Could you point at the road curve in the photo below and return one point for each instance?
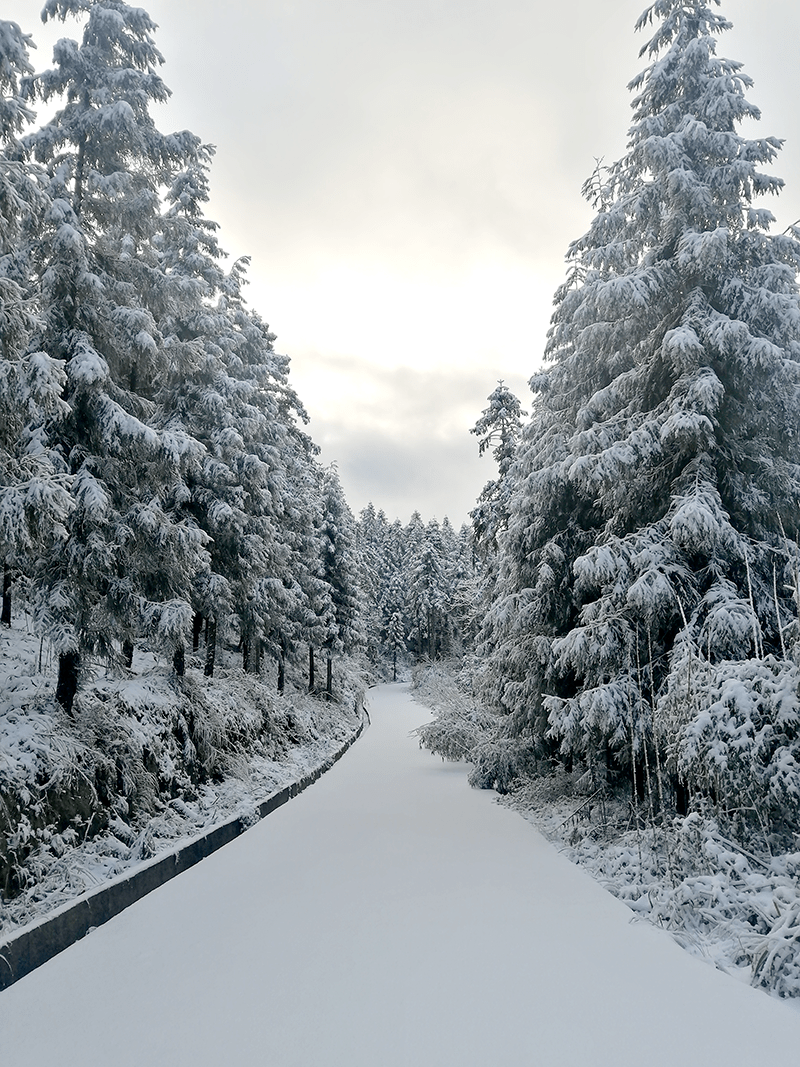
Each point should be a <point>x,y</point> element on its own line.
<point>388,917</point>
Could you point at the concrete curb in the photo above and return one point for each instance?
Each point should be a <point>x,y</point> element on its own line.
<point>23,952</point>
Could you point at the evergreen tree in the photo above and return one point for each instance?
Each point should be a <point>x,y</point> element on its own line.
<point>428,594</point>
<point>468,597</point>
<point>34,497</point>
<point>185,308</point>
<point>498,428</point>
<point>129,560</point>
<point>395,639</point>
<point>343,624</point>
<point>662,457</point>
<point>394,605</point>
<point>372,529</point>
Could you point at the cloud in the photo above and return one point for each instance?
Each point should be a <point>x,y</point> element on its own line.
<point>403,475</point>
<point>401,439</point>
<point>490,316</point>
<point>399,129</point>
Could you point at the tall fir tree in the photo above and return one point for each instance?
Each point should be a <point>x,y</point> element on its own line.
<point>395,639</point>
<point>660,470</point>
<point>343,630</point>
<point>374,575</point>
<point>129,560</point>
<point>429,593</point>
<point>497,429</point>
<point>34,492</point>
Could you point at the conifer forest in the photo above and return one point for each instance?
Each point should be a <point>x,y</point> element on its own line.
<point>188,597</point>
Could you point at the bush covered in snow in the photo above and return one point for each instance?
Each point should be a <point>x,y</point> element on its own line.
<point>148,758</point>
<point>738,907</point>
<point>464,729</point>
<point>460,724</point>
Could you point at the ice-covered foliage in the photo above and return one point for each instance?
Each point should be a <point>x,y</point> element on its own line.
<point>641,609</point>
<point>35,502</point>
<point>461,723</point>
<point>157,484</point>
<point>463,728</point>
<point>418,588</point>
<point>254,489</point>
<point>498,428</point>
<point>343,628</point>
<point>163,515</point>
<point>148,760</point>
<point>735,905</point>
<point>428,589</point>
<point>727,905</point>
<point>125,548</point>
<point>731,729</point>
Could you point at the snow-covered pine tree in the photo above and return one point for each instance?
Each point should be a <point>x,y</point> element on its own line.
<point>641,590</point>
<point>255,491</point>
<point>308,592</point>
<point>395,639</point>
<point>34,497</point>
<point>315,604</point>
<point>184,307</point>
<point>456,568</point>
<point>497,429</point>
<point>392,595</point>
<point>393,602</point>
<point>409,539</point>
<point>344,626</point>
<point>468,601</point>
<point>429,594</point>
<point>371,531</point>
<point>129,561</point>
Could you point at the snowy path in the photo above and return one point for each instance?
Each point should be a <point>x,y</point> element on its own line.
<point>390,915</point>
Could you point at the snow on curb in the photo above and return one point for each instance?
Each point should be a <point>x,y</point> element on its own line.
<point>29,948</point>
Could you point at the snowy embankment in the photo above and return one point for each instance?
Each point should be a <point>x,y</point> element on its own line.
<point>150,761</point>
<point>735,909</point>
<point>389,915</point>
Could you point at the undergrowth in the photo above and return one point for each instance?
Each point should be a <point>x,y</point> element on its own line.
<point>148,760</point>
<point>736,906</point>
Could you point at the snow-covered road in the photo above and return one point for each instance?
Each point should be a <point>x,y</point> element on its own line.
<point>390,915</point>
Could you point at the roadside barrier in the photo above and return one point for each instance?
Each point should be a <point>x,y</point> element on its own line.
<point>27,949</point>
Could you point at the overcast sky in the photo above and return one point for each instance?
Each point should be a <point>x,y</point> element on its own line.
<point>405,176</point>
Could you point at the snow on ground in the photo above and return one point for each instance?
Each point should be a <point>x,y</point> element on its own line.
<point>719,901</point>
<point>722,904</point>
<point>259,741</point>
<point>390,915</point>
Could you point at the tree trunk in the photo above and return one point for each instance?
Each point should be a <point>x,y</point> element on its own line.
<point>127,653</point>
<point>67,685</point>
<point>179,660</point>
<point>281,671</point>
<point>329,681</point>
<point>197,627</point>
<point>80,163</point>
<point>251,655</point>
<point>310,668</point>
<point>5,618</point>
<point>432,636</point>
<point>394,664</point>
<point>681,797</point>
<point>211,647</point>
